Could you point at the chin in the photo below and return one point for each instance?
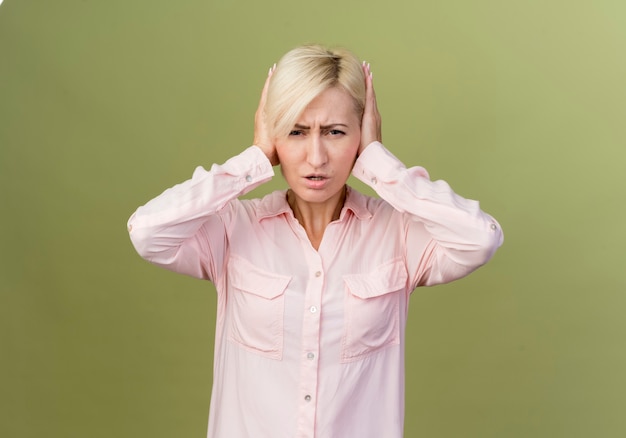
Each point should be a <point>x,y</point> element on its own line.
<point>320,196</point>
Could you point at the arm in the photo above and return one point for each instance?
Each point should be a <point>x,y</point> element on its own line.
<point>462,237</point>
<point>180,230</point>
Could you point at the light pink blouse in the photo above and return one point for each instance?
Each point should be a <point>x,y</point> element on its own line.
<point>311,343</point>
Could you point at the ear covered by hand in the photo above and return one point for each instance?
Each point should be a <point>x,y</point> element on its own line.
<point>371,124</point>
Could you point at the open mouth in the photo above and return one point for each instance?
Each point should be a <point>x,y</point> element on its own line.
<point>315,178</point>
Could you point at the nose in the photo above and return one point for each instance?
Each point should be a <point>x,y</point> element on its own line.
<point>317,155</point>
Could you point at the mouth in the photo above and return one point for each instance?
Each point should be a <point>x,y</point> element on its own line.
<point>316,182</point>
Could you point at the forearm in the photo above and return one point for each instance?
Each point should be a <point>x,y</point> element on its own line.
<point>467,235</point>
<point>160,229</point>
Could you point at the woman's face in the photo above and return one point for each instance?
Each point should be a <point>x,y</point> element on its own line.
<point>317,157</point>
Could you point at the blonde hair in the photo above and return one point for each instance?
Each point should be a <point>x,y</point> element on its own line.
<point>305,72</point>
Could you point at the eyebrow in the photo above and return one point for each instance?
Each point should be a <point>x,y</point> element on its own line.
<point>332,125</point>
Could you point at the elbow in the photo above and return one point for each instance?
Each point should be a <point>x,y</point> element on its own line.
<point>480,248</point>
<point>488,242</point>
<point>155,245</point>
<point>142,240</point>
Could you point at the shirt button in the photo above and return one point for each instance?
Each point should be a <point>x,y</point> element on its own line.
<point>313,309</point>
<point>494,226</point>
<point>130,228</point>
<point>248,178</point>
<point>310,356</point>
<point>374,180</point>
<point>318,273</point>
<point>307,398</point>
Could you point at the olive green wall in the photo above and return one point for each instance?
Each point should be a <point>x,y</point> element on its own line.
<point>103,104</point>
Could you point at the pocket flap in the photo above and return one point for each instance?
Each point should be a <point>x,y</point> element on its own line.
<point>249,278</point>
<point>386,278</point>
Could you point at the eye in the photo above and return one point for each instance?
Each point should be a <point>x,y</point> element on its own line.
<point>336,132</point>
<point>296,132</point>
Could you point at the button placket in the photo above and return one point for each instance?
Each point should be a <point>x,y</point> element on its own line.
<point>310,340</point>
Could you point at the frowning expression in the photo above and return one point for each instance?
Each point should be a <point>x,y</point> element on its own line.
<point>318,154</point>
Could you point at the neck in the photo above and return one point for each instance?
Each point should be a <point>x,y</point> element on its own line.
<point>315,217</point>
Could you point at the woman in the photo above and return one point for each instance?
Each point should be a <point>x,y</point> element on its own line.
<point>313,282</point>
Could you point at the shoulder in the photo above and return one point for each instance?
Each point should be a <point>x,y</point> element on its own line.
<point>272,204</point>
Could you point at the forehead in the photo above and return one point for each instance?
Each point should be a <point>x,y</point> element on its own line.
<point>333,103</point>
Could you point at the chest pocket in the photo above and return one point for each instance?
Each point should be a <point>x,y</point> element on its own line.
<point>372,310</point>
<point>256,303</point>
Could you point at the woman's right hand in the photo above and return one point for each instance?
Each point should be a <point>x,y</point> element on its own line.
<point>262,137</point>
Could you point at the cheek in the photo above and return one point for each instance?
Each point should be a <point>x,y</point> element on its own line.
<point>281,153</point>
<point>351,152</point>
<point>286,159</point>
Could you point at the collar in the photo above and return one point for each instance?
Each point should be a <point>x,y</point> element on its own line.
<point>276,204</point>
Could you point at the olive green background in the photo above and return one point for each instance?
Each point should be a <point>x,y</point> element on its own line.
<point>104,104</point>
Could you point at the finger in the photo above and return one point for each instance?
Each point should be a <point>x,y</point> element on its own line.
<point>371,123</point>
<point>267,85</point>
<point>261,134</point>
<point>264,91</point>
<point>370,93</point>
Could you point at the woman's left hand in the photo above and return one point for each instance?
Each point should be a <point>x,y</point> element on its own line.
<point>371,129</point>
